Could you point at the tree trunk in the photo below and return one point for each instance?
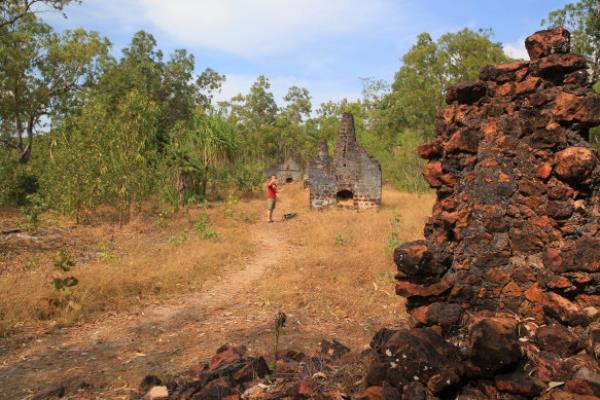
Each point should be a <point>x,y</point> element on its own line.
<point>30,125</point>
<point>204,182</point>
<point>19,129</point>
<point>183,184</point>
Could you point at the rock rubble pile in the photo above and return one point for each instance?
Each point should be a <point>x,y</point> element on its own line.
<point>504,291</point>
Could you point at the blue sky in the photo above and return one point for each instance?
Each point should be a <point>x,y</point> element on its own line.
<point>323,45</point>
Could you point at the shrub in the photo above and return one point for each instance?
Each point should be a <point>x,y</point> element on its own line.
<point>16,181</point>
<point>35,206</point>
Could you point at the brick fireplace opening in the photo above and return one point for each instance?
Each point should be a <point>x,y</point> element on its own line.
<point>344,198</point>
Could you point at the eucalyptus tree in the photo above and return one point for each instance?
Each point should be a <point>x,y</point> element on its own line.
<point>429,67</point>
<point>12,11</point>
<point>43,73</point>
<point>209,82</point>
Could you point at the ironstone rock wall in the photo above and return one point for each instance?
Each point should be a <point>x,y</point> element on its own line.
<point>504,292</point>
<point>350,169</point>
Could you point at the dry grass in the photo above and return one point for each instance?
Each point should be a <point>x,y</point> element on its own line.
<point>341,268</point>
<point>119,268</point>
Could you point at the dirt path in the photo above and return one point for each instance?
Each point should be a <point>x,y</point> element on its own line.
<point>112,355</point>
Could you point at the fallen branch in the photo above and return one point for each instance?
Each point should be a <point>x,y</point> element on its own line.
<point>10,231</point>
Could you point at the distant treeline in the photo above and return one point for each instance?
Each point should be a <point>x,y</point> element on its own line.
<point>80,128</point>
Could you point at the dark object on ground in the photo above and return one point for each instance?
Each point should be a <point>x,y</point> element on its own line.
<point>148,382</point>
<point>333,349</point>
<point>10,231</point>
<point>289,216</point>
<point>504,292</point>
<point>232,375</point>
<point>51,392</point>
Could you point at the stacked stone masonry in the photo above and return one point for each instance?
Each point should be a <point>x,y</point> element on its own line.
<point>289,171</point>
<point>350,178</point>
<point>504,291</point>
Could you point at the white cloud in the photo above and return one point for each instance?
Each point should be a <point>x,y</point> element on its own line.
<point>516,50</point>
<point>249,28</point>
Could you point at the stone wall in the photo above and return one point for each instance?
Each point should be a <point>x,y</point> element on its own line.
<point>288,171</point>
<point>504,292</point>
<point>350,169</point>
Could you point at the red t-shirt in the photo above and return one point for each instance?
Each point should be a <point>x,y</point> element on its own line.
<point>272,189</point>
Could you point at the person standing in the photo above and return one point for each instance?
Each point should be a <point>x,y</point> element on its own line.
<point>272,197</point>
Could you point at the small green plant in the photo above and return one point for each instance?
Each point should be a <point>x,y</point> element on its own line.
<point>62,284</point>
<point>203,229</point>
<point>210,235</point>
<point>180,239</point>
<point>32,264</point>
<point>280,320</point>
<point>232,200</point>
<point>339,240</point>
<point>163,217</point>
<point>202,223</point>
<point>63,260</point>
<point>106,251</point>
<point>384,279</point>
<point>35,206</point>
<point>395,229</point>
<point>247,218</point>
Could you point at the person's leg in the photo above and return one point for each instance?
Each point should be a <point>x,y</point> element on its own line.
<point>270,208</point>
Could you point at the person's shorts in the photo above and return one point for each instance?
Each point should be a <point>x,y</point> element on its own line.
<point>271,204</point>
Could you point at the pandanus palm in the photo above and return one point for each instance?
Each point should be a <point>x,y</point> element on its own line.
<point>200,149</point>
<point>217,143</point>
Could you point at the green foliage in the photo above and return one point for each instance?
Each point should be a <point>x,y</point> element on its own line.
<point>179,239</point>
<point>106,252</point>
<point>62,283</point>
<point>16,181</point>
<point>247,218</point>
<point>232,200</point>
<point>203,230</point>
<point>428,69</point>
<point>339,240</point>
<point>399,161</point>
<point>12,11</point>
<point>32,264</point>
<point>395,229</point>
<point>210,234</point>
<point>582,19</point>
<point>109,163</point>
<point>63,260</point>
<point>201,224</point>
<point>85,129</point>
<point>595,132</point>
<point>35,206</point>
<point>209,82</point>
<point>202,149</point>
<point>45,71</point>
<point>247,177</point>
